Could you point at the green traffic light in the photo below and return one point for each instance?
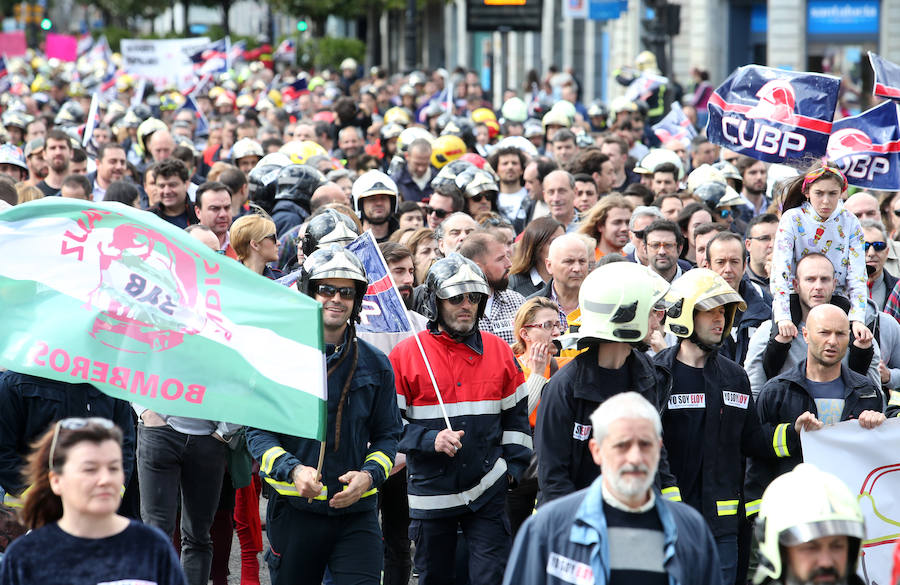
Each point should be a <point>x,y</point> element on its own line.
<point>302,26</point>
<point>46,24</point>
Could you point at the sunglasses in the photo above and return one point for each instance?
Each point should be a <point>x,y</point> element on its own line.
<point>546,325</point>
<point>440,213</point>
<point>896,212</point>
<point>879,246</point>
<point>474,298</point>
<point>724,213</point>
<point>481,197</point>
<point>328,291</point>
<point>639,234</point>
<point>74,424</point>
<point>272,237</point>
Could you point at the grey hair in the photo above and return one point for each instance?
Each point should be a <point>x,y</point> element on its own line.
<point>439,230</point>
<point>624,405</point>
<point>874,224</point>
<point>568,175</point>
<point>644,211</point>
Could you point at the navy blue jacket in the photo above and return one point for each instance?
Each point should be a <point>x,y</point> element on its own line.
<point>370,429</point>
<point>568,537</point>
<point>31,404</point>
<point>785,398</point>
<point>735,433</point>
<point>287,214</point>
<point>409,190</point>
<point>563,425</point>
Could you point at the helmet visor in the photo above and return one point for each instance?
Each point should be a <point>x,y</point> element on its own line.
<point>812,530</point>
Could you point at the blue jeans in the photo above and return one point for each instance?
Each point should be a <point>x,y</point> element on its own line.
<point>169,461</point>
<point>728,557</point>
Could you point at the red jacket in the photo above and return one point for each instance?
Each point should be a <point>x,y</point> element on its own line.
<point>484,395</point>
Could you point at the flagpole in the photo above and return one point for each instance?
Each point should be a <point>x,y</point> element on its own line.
<point>319,466</point>
<point>433,382</point>
<point>371,236</point>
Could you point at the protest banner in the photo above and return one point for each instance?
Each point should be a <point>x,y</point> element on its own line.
<point>164,62</point>
<point>116,297</point>
<point>865,461</point>
<point>773,115</point>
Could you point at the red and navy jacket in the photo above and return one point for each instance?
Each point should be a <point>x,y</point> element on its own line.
<point>484,394</point>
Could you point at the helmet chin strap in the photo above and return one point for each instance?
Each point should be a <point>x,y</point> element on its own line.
<point>709,348</point>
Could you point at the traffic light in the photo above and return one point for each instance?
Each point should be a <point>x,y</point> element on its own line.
<point>46,24</point>
<point>302,25</point>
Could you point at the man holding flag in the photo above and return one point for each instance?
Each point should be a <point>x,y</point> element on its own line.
<point>327,516</point>
<point>467,436</point>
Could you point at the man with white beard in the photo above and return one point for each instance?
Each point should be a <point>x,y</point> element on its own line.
<point>618,530</point>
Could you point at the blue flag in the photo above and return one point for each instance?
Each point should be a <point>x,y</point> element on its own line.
<point>202,123</point>
<point>773,115</point>
<point>867,147</point>
<point>887,77</point>
<point>675,125</point>
<point>383,310</point>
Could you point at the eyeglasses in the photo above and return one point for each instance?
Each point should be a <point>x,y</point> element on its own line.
<point>327,291</point>
<point>481,197</point>
<point>222,252</point>
<point>667,246</point>
<point>546,325</point>
<point>74,424</point>
<point>879,246</point>
<point>761,238</point>
<point>474,298</point>
<point>440,213</point>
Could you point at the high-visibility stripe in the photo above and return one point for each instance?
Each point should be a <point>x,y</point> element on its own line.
<point>447,501</point>
<point>727,507</point>
<point>752,507</point>
<point>513,399</point>
<point>288,489</point>
<point>779,440</point>
<point>895,398</point>
<point>12,501</point>
<point>381,459</point>
<point>454,409</point>
<point>673,494</point>
<point>469,408</point>
<point>516,438</point>
<point>269,457</point>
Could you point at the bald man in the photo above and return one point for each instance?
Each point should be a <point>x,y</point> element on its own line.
<point>818,391</point>
<point>864,205</point>
<point>568,262</point>
<point>205,235</point>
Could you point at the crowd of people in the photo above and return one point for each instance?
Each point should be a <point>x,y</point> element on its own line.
<point>582,296</point>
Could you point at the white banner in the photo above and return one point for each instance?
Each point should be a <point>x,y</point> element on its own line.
<point>868,462</point>
<point>165,62</point>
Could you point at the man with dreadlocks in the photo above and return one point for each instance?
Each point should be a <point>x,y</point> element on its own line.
<point>329,519</point>
<point>461,466</point>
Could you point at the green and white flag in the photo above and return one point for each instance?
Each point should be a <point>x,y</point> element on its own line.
<point>118,298</point>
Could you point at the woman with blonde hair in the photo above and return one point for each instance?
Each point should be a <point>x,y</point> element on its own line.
<point>535,326</point>
<point>76,476</point>
<point>28,193</point>
<point>255,242</point>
